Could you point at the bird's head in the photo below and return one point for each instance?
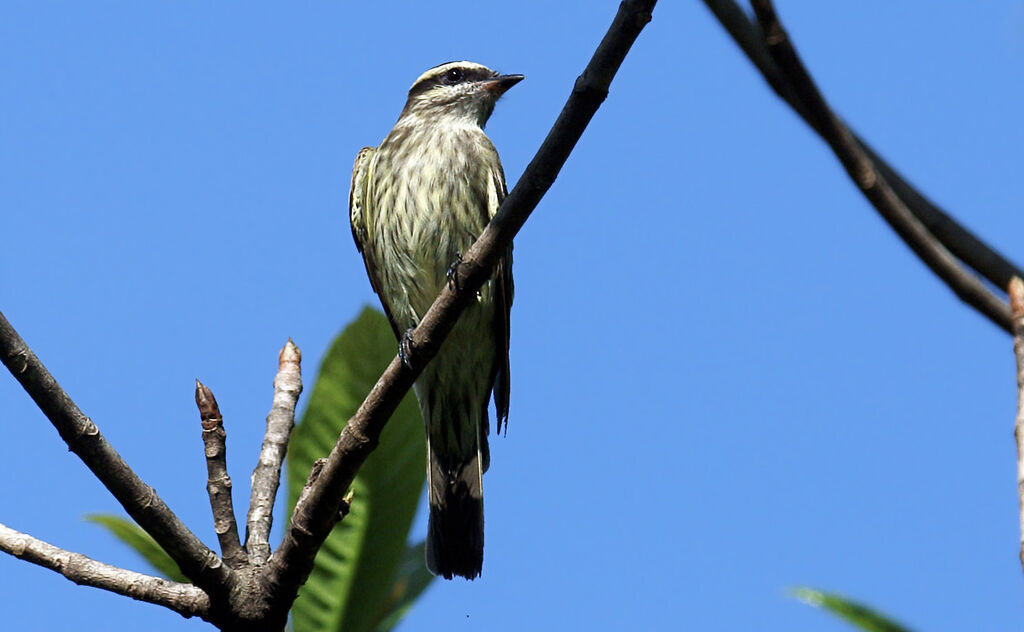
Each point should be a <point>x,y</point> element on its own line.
<point>462,90</point>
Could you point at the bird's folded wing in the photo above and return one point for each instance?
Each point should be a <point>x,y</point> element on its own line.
<point>503,291</point>
<point>359,211</point>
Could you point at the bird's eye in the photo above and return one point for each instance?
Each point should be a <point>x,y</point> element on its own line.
<point>453,76</point>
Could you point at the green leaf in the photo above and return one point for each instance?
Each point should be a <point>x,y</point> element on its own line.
<point>858,614</point>
<point>132,534</point>
<point>412,579</point>
<point>354,576</point>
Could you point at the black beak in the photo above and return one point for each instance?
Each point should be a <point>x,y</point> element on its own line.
<point>501,83</point>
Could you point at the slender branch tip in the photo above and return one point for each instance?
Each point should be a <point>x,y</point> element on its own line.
<point>290,352</point>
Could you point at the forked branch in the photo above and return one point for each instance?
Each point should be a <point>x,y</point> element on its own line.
<point>197,562</point>
<point>931,233</point>
<point>868,179</point>
<point>259,597</point>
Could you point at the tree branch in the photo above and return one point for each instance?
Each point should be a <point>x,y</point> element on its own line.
<point>197,562</point>
<point>218,482</point>
<point>185,599</point>
<point>961,242</point>
<point>313,519</point>
<point>870,180</point>
<point>257,598</point>
<point>267,475</point>
<point>1016,292</point>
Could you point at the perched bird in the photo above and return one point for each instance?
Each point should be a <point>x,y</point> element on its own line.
<point>417,202</point>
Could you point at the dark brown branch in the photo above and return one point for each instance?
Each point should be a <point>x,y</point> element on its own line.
<point>267,475</point>
<point>197,562</point>
<point>1016,292</point>
<point>313,520</point>
<point>218,482</point>
<point>961,242</point>
<point>255,598</point>
<point>867,177</point>
<point>185,599</point>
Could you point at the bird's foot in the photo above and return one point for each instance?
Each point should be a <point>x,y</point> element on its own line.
<point>405,347</point>
<point>453,273</point>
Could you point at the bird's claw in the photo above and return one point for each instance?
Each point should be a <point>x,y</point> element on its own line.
<point>405,347</point>
<point>453,273</point>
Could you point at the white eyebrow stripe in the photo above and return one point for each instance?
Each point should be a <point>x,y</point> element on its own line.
<point>437,71</point>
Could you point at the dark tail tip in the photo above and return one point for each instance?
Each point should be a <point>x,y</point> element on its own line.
<point>455,535</point>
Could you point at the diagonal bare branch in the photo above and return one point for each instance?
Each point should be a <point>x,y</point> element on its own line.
<point>254,598</point>
<point>218,482</point>
<point>267,475</point>
<point>869,179</point>
<point>141,501</point>
<point>989,263</point>
<point>185,599</point>
<point>313,519</point>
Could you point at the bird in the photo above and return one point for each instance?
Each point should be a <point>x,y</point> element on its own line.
<point>417,202</point>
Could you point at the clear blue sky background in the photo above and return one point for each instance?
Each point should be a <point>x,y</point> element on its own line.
<point>729,376</point>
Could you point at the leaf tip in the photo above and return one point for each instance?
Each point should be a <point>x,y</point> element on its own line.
<point>807,595</point>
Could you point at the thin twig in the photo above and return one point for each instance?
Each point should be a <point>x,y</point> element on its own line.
<point>869,180</point>
<point>1016,292</point>
<point>267,475</point>
<point>989,263</point>
<point>264,597</point>
<point>185,599</point>
<point>197,562</point>
<point>313,520</point>
<point>218,482</point>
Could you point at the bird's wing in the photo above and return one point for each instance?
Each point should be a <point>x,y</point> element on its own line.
<point>358,201</point>
<point>503,290</point>
<point>357,196</point>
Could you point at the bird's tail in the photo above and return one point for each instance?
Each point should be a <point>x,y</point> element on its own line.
<point>455,534</point>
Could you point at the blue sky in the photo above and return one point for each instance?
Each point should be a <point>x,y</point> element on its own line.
<point>729,377</point>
